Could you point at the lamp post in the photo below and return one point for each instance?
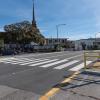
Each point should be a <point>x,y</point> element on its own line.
<point>57,28</point>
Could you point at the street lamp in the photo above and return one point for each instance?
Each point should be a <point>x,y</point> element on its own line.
<point>57,28</point>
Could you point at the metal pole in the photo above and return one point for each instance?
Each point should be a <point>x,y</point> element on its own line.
<point>57,28</point>
<point>57,32</point>
<point>57,37</point>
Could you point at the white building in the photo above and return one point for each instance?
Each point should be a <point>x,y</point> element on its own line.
<point>87,43</point>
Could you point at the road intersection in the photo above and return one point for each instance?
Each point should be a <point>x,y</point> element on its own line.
<point>38,73</point>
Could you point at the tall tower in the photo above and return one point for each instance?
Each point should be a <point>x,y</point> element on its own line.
<point>36,32</point>
<point>33,18</point>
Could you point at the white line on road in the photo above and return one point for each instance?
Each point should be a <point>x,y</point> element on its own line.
<point>23,62</point>
<point>27,63</point>
<point>57,62</point>
<point>80,66</point>
<point>21,59</point>
<point>67,64</point>
<point>43,62</point>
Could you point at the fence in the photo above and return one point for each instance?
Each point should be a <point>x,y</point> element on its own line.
<point>91,55</point>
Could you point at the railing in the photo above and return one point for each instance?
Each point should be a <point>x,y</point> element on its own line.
<point>90,54</point>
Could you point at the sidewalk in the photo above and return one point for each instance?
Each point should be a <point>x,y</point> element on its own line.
<point>8,93</point>
<point>86,86</point>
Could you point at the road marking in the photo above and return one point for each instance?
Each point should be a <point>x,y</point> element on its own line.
<point>17,59</point>
<point>23,59</point>
<point>43,62</point>
<point>63,55</point>
<point>27,63</point>
<point>13,60</point>
<point>20,61</point>
<point>80,66</point>
<point>55,90</point>
<point>66,65</point>
<point>57,62</point>
<point>3,59</point>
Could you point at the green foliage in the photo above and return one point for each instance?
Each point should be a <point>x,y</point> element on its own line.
<point>23,32</point>
<point>24,26</point>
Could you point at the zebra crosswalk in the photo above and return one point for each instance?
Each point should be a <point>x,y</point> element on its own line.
<point>46,63</point>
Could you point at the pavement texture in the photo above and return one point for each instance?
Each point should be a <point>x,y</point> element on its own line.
<point>7,93</point>
<point>86,86</point>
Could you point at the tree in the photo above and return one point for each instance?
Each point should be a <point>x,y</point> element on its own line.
<point>23,32</point>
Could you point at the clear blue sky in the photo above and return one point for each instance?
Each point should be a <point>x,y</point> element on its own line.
<point>82,17</point>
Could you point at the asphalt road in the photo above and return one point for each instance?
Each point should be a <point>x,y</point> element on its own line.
<point>38,72</point>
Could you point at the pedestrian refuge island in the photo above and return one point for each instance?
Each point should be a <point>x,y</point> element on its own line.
<point>93,56</point>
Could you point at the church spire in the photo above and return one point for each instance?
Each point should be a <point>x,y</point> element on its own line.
<point>33,19</point>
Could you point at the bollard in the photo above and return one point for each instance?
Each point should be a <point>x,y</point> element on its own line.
<point>99,56</point>
<point>85,60</point>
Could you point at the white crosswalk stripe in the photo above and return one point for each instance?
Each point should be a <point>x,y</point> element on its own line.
<point>57,62</point>
<point>66,65</point>
<point>37,61</point>
<point>80,66</point>
<point>21,62</point>
<point>25,62</point>
<point>14,60</point>
<point>43,62</point>
<point>21,59</point>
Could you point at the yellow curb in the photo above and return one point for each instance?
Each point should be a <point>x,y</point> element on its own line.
<point>55,90</point>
